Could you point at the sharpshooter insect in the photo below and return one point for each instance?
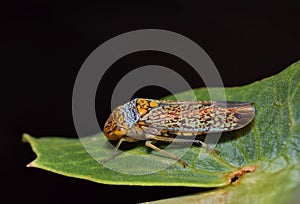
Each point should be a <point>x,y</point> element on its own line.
<point>161,120</point>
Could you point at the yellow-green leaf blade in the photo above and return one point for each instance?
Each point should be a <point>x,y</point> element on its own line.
<point>271,144</point>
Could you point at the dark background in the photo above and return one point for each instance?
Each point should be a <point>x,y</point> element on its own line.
<point>43,46</point>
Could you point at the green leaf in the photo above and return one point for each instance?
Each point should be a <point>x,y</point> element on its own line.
<point>262,159</point>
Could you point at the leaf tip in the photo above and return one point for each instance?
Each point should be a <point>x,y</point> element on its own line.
<point>26,137</point>
<point>31,164</point>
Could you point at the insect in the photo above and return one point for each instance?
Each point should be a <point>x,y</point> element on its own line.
<point>161,120</point>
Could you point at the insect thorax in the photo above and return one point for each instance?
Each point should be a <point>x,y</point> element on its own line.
<point>127,115</point>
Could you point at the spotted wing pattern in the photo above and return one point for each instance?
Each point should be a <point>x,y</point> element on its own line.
<point>194,117</point>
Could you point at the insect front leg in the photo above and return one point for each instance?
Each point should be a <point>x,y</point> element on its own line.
<point>123,139</point>
<point>150,143</point>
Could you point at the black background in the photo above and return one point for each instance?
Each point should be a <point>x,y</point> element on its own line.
<point>43,45</point>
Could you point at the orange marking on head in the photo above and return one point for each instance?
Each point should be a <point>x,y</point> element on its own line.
<point>119,132</point>
<point>141,110</point>
<point>143,103</point>
<point>153,104</point>
<point>111,130</point>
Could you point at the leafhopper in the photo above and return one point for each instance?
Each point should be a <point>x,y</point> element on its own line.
<point>161,120</point>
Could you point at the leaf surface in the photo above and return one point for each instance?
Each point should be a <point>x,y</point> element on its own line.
<point>262,158</point>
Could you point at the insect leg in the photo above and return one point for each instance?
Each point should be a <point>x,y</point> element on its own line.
<point>123,139</point>
<point>182,141</point>
<point>150,144</point>
<point>206,146</point>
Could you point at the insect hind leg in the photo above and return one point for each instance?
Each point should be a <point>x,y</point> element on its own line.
<point>150,143</point>
<point>182,141</point>
<point>206,146</point>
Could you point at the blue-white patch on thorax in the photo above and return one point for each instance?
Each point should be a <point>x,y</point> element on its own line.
<point>129,110</point>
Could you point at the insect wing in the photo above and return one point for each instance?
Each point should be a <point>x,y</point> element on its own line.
<point>197,117</point>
